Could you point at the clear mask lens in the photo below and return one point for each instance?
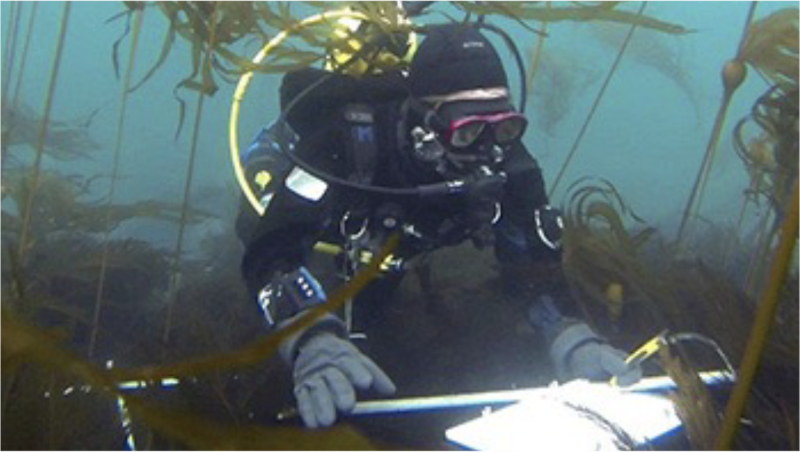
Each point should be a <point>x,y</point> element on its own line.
<point>467,134</point>
<point>509,129</point>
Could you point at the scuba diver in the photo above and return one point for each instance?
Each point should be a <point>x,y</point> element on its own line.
<point>433,153</point>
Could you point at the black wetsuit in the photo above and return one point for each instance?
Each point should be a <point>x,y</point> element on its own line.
<point>283,238</point>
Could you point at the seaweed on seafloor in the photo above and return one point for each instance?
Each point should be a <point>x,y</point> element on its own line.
<point>23,343</point>
<point>599,251</point>
<point>212,315</point>
<point>707,302</point>
<point>771,46</point>
<point>693,404</point>
<point>607,265</point>
<point>783,346</point>
<point>770,418</point>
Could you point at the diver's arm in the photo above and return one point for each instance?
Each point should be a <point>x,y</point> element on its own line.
<point>281,240</point>
<point>530,229</point>
<point>296,204</point>
<point>529,250</point>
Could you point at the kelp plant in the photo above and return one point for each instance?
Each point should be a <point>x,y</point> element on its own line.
<point>770,45</point>
<point>771,160</point>
<point>237,23</point>
<point>65,207</point>
<point>25,344</point>
<point>601,258</point>
<point>614,261</point>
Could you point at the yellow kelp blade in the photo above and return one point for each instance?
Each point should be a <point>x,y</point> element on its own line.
<point>24,343</point>
<point>267,346</point>
<point>20,342</point>
<point>601,11</point>
<point>771,46</point>
<point>201,433</point>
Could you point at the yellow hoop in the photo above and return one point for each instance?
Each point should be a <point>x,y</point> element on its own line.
<point>244,82</point>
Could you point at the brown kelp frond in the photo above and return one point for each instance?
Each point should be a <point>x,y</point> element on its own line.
<point>23,343</point>
<point>620,439</point>
<point>652,49</point>
<point>771,47</point>
<point>61,206</point>
<point>600,252</point>
<point>777,114</point>
<point>693,403</point>
<point>194,22</point>
<point>65,139</point>
<point>265,347</point>
<point>131,264</point>
<point>207,434</point>
<point>640,281</point>
<point>559,80</point>
<point>767,141</point>
<point>237,20</point>
<point>783,348</point>
<point>599,205</point>
<point>705,301</point>
<point>579,12</point>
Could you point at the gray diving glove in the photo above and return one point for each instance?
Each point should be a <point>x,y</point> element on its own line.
<point>327,371</point>
<point>578,352</point>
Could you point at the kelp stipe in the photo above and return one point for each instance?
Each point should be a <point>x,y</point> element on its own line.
<point>114,178</point>
<point>597,100</point>
<point>28,208</point>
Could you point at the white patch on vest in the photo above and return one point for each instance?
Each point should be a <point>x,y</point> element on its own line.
<point>472,44</point>
<point>306,185</point>
<point>266,200</point>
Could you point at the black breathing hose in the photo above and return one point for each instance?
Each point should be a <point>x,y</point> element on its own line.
<point>437,189</point>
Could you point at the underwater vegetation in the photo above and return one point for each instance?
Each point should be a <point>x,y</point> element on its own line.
<point>766,142</point>
<point>654,50</point>
<point>559,79</point>
<point>771,48</point>
<point>65,140</point>
<point>598,249</point>
<point>769,39</point>
<point>221,28</point>
<point>65,205</point>
<point>630,280</point>
<point>25,345</point>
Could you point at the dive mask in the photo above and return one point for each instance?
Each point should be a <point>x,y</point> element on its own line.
<point>505,128</point>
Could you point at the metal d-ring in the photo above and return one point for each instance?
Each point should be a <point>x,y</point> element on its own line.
<point>343,227</point>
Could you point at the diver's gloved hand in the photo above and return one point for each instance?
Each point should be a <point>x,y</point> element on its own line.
<point>575,350</point>
<point>578,352</point>
<point>327,371</point>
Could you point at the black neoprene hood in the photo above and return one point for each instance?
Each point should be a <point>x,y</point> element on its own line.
<point>454,58</point>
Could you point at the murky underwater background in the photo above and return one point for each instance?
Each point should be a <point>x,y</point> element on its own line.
<point>142,268</point>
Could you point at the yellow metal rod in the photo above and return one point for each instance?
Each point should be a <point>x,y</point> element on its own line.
<point>763,322</point>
